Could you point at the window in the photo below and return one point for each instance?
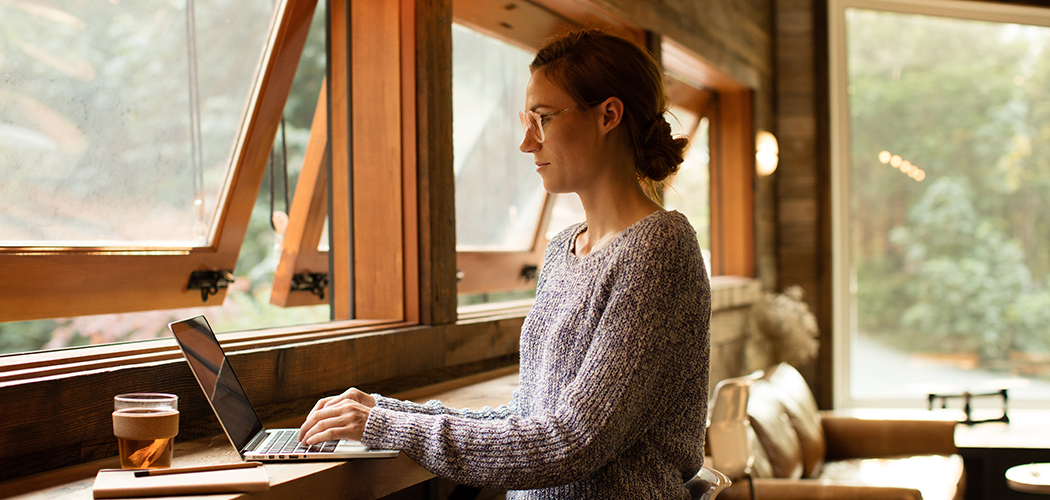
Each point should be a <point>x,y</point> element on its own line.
<point>941,169</point>
<point>720,160</point>
<point>156,188</point>
<point>503,214</point>
<point>689,190</point>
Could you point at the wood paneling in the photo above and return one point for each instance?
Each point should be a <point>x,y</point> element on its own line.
<point>803,178</point>
<point>410,183</point>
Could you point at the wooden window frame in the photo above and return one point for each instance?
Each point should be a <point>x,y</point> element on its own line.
<point>732,160</point>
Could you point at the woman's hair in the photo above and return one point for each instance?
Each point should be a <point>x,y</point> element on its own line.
<point>591,66</point>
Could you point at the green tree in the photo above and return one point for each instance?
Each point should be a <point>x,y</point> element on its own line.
<point>971,288</point>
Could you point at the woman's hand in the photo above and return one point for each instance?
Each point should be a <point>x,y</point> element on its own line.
<point>338,417</point>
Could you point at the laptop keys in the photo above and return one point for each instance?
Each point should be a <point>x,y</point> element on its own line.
<point>287,443</point>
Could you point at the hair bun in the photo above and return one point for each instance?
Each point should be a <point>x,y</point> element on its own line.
<point>660,154</point>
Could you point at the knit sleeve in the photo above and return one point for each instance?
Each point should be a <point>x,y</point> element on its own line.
<point>655,316</point>
<point>435,407</point>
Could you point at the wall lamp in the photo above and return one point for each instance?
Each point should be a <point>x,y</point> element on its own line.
<point>767,153</point>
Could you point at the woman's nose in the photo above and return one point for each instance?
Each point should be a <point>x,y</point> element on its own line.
<point>529,144</point>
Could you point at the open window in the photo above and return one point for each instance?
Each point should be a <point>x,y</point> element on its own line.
<point>81,267</point>
<point>504,218</point>
<point>114,199</point>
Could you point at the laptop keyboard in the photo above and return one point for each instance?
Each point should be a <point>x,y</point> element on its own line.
<point>287,441</point>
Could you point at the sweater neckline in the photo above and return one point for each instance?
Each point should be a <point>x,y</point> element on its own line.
<point>614,242</point>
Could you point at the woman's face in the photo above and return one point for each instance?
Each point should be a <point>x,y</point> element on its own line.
<point>565,159</point>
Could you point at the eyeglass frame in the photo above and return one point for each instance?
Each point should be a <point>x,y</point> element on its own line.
<point>530,117</point>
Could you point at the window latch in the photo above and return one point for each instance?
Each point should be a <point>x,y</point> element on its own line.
<point>529,272</point>
<point>209,282</point>
<point>315,283</point>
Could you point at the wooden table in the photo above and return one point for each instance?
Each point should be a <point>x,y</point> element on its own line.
<point>990,449</point>
<point>1031,478</point>
<point>364,479</point>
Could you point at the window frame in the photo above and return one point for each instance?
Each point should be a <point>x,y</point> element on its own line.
<point>842,275</point>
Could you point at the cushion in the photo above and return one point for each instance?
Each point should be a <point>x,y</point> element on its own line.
<point>773,428</point>
<point>938,477</point>
<point>801,408</point>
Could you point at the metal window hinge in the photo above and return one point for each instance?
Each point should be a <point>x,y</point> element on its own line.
<point>315,283</point>
<point>209,282</point>
<point>529,272</point>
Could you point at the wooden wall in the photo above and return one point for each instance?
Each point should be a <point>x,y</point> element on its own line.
<point>803,195</point>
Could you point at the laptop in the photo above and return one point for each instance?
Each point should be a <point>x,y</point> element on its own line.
<point>236,414</point>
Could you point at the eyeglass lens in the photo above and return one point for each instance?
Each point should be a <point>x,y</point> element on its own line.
<point>530,122</point>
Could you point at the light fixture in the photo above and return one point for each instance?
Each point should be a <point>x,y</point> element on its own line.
<point>767,153</point>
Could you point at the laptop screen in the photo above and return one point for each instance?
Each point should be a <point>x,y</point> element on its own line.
<point>216,377</point>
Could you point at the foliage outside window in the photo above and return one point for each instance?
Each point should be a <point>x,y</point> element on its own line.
<point>948,157</point>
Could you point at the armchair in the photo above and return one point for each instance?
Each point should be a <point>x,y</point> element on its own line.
<point>796,451</point>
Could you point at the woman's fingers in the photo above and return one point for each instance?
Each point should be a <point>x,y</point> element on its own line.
<point>344,419</point>
<point>338,403</point>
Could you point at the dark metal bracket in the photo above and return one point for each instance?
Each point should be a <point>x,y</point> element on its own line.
<point>315,283</point>
<point>967,407</point>
<point>209,282</point>
<point>529,272</point>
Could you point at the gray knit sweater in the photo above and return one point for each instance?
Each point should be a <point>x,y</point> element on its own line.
<point>614,375</point>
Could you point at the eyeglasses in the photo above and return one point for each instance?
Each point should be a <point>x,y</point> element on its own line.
<point>532,121</point>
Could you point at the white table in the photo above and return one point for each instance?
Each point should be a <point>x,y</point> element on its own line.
<point>1030,478</point>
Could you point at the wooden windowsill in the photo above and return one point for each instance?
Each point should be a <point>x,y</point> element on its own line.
<point>353,479</point>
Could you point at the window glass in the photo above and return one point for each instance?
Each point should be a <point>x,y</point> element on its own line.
<point>246,305</point>
<point>118,120</point>
<point>949,168</point>
<point>568,210</point>
<point>689,191</point>
<point>499,196</point>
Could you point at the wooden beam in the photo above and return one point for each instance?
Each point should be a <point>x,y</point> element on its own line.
<point>434,173</point>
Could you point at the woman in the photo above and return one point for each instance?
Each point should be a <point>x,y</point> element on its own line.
<point>614,353</point>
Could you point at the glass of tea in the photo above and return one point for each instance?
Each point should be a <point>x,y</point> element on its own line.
<point>145,425</point>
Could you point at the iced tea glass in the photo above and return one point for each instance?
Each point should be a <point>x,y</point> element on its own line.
<point>145,425</point>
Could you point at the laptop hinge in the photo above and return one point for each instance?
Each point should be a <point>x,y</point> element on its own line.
<point>254,443</point>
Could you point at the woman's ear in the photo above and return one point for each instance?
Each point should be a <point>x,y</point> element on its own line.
<point>611,113</point>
